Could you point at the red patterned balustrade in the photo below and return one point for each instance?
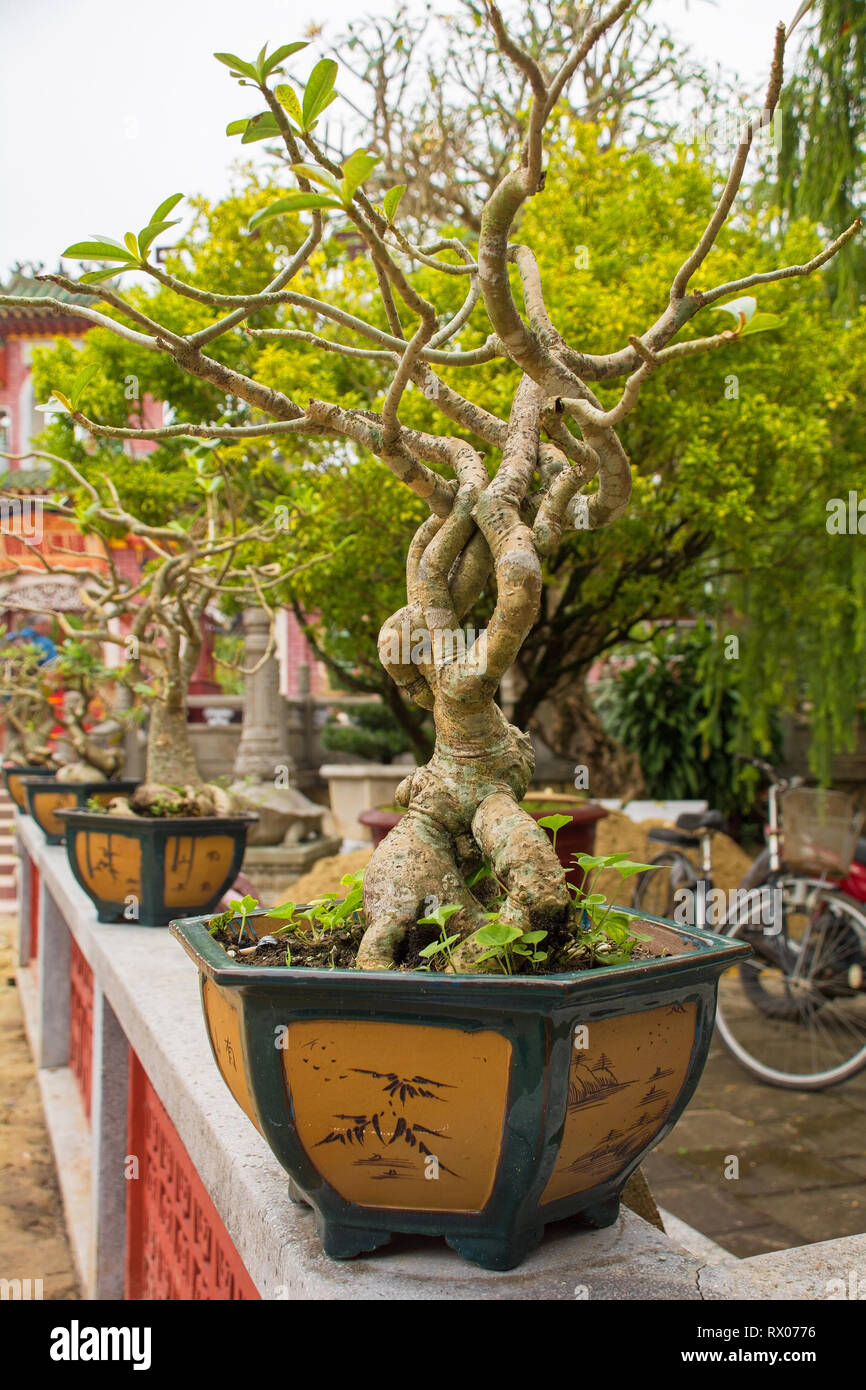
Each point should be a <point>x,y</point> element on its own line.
<point>80,1022</point>
<point>176,1244</point>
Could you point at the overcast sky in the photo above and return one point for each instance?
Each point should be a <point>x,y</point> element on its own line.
<point>107,107</point>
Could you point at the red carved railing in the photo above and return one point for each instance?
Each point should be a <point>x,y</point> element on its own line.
<point>34,913</point>
<point>80,1022</point>
<point>176,1244</point>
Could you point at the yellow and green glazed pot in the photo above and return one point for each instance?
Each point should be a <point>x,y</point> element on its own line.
<point>46,796</point>
<point>13,775</point>
<point>146,870</point>
<point>475,1107</point>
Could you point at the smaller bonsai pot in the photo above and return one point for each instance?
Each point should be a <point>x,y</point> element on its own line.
<point>379,821</point>
<point>12,776</point>
<point>527,1098</point>
<point>145,870</point>
<point>47,795</point>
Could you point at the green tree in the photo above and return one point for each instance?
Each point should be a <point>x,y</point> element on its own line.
<point>822,155</point>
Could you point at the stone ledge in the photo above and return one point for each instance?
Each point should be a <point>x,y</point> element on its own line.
<point>152,987</point>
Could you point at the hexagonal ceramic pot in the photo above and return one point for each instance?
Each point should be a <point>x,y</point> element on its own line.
<point>13,773</point>
<point>46,796</point>
<point>145,870</point>
<point>476,1107</point>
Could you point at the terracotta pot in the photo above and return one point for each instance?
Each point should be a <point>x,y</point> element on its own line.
<point>46,796</point>
<point>12,775</point>
<point>475,1107</point>
<point>144,870</point>
<point>576,838</point>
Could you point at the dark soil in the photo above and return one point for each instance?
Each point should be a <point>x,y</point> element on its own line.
<point>338,949</point>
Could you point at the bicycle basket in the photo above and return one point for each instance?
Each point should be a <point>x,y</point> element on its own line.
<point>820,830</point>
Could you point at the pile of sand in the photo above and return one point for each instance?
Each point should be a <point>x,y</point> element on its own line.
<point>324,877</point>
<point>616,833</point>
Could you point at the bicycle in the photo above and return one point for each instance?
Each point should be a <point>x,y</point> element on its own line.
<point>794,1015</point>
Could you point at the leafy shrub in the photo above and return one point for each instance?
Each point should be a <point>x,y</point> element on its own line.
<point>368,731</point>
<point>679,709</point>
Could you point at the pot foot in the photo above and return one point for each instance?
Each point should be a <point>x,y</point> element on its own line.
<point>496,1252</point>
<point>296,1195</point>
<point>345,1242</point>
<point>601,1214</point>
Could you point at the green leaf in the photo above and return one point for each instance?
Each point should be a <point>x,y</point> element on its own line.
<point>443,913</point>
<point>64,400</point>
<point>282,53</point>
<point>285,911</point>
<point>92,277</point>
<point>392,200</point>
<point>437,947</point>
<point>261,127</point>
<point>288,99</point>
<point>742,308</point>
<point>356,169</point>
<point>132,245</point>
<point>319,176</point>
<point>531,937</point>
<point>497,934</point>
<point>259,63</point>
<point>237,65</point>
<point>554,822</point>
<point>165,208</point>
<point>294,202</point>
<point>148,234</point>
<point>237,127</point>
<point>81,382</point>
<point>319,91</point>
<point>762,323</point>
<point>98,251</point>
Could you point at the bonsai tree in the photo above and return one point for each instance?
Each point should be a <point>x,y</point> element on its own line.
<point>204,557</point>
<point>551,462</point>
<point>25,707</point>
<point>39,696</point>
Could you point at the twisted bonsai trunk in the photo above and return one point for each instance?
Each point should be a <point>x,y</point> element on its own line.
<point>464,804</point>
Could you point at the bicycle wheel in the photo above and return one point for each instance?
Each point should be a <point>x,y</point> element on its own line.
<point>655,889</point>
<point>795,1014</point>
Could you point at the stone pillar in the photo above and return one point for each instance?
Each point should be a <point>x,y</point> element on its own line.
<point>264,743</point>
<point>109,1096</point>
<point>53,983</point>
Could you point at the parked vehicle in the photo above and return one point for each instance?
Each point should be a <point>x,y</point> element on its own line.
<point>794,1015</point>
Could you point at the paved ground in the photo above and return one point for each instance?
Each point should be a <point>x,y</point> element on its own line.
<point>802,1161</point>
<point>33,1242</point>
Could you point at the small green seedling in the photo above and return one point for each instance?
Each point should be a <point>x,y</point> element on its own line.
<point>554,823</point>
<point>604,933</point>
<point>242,907</point>
<point>444,943</point>
<point>504,942</point>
